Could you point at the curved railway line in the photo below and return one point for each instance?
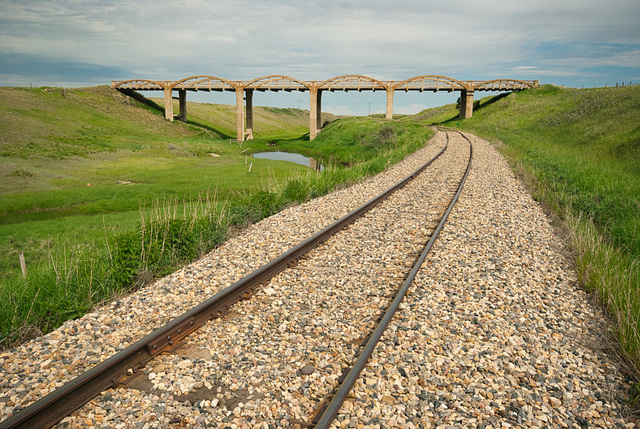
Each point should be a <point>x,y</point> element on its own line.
<point>345,329</point>
<point>126,364</point>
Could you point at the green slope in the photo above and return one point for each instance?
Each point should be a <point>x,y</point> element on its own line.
<point>270,123</point>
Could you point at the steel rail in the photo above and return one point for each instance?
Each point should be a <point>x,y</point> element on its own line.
<point>60,403</point>
<point>326,416</point>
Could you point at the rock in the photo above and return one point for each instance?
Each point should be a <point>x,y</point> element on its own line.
<point>307,369</point>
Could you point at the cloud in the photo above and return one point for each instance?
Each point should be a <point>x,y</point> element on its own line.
<point>26,69</point>
<point>340,110</point>
<point>411,109</point>
<point>244,39</point>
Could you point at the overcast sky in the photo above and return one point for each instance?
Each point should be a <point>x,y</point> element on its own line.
<point>91,42</point>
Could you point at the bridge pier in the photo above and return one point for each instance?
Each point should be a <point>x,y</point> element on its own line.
<point>168,104</point>
<point>239,113</point>
<point>466,104</point>
<point>182,97</point>
<point>315,112</point>
<point>390,92</point>
<point>249,114</point>
<point>319,112</point>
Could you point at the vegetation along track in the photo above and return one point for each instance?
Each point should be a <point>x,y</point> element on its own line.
<point>311,322</point>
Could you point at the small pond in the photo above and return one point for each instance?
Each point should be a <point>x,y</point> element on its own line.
<point>291,157</point>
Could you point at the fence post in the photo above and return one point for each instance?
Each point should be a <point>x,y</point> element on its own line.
<point>23,265</point>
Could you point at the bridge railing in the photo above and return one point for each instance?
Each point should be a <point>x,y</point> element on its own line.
<point>340,83</point>
<point>503,84</point>
<point>138,84</point>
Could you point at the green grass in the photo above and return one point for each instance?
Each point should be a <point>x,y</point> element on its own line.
<point>118,155</point>
<point>579,152</point>
<point>103,195</point>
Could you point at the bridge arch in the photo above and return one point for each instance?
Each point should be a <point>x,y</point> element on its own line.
<point>142,84</point>
<point>204,83</point>
<point>277,82</point>
<point>351,82</point>
<point>430,83</point>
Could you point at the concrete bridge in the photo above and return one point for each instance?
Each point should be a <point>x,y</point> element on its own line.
<point>244,92</point>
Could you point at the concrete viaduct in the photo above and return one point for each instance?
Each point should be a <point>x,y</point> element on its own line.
<point>244,92</point>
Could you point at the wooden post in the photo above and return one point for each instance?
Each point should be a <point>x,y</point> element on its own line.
<point>23,265</point>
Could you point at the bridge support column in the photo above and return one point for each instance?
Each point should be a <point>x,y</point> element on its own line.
<point>239,113</point>
<point>315,109</point>
<point>249,114</point>
<point>390,92</point>
<point>466,104</point>
<point>182,96</point>
<point>168,104</point>
<point>319,111</point>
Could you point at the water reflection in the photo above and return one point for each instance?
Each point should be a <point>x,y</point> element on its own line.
<point>291,157</point>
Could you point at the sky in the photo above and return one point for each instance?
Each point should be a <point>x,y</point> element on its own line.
<point>76,43</point>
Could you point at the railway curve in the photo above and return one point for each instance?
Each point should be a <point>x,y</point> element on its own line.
<point>494,330</point>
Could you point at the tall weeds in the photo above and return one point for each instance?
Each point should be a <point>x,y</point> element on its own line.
<point>602,267</point>
<point>614,277</point>
<point>75,280</point>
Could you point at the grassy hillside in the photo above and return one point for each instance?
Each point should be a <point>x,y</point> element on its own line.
<point>270,123</point>
<point>101,194</point>
<point>579,151</point>
<point>75,160</point>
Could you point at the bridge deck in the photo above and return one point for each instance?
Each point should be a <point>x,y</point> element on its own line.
<point>341,83</point>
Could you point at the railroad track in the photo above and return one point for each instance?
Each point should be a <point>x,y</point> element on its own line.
<point>308,266</point>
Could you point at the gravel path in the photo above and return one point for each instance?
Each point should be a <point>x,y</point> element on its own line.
<point>494,332</point>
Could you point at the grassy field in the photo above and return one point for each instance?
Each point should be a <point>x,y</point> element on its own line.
<point>579,152</point>
<point>102,195</point>
<point>74,161</point>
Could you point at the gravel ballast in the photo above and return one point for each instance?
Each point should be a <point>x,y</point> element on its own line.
<point>493,333</point>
